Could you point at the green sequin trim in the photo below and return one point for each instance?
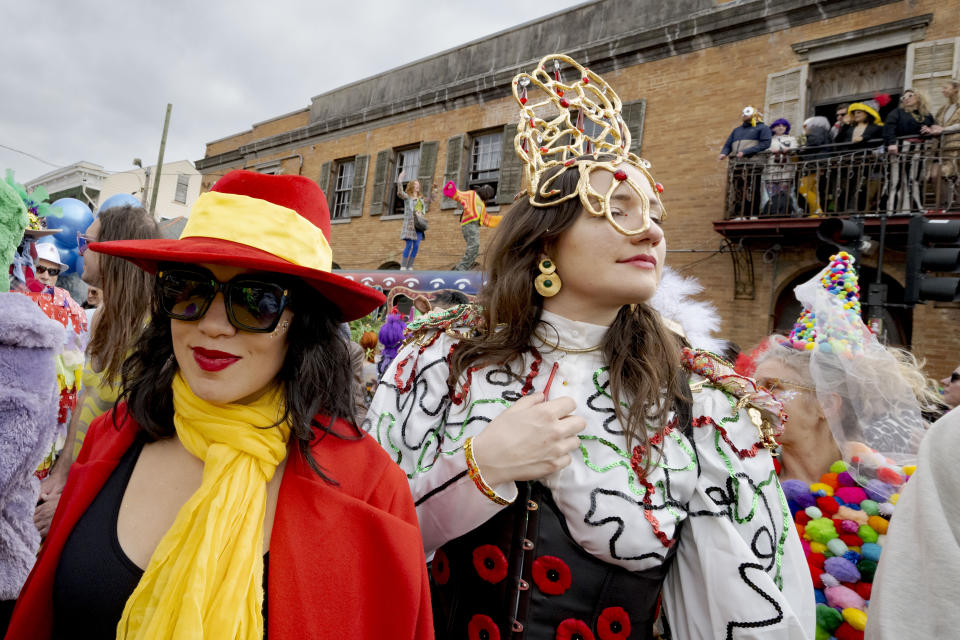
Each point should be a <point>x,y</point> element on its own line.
<point>455,435</point>
<point>772,479</point>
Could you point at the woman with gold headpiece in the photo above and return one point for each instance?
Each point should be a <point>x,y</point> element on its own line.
<point>230,494</point>
<point>570,458</point>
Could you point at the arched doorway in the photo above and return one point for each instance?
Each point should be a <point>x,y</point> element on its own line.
<point>897,323</point>
<point>390,265</point>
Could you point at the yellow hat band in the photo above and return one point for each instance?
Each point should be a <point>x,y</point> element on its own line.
<point>262,225</point>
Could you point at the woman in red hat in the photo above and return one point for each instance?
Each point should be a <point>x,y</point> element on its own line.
<point>230,492</point>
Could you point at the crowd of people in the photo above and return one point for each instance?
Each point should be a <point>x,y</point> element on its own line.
<point>245,453</point>
<point>860,163</point>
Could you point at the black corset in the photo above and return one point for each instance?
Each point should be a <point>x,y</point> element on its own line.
<point>522,573</point>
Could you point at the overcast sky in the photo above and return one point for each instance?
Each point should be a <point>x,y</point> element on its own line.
<point>90,80</point>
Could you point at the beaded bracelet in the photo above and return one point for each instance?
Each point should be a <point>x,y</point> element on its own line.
<point>474,472</point>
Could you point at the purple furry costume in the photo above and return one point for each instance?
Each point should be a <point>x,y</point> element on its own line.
<point>29,340</point>
<point>391,337</point>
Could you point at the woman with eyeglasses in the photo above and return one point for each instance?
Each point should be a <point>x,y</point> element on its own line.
<point>230,493</point>
<point>126,294</point>
<point>850,443</point>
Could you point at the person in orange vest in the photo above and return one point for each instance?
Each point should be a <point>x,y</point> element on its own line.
<point>473,215</point>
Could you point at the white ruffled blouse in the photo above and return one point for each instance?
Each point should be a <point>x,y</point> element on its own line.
<point>739,570</point>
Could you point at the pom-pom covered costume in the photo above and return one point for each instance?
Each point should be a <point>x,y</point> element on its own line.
<point>593,543</point>
<point>843,527</point>
<point>842,519</point>
<point>914,590</point>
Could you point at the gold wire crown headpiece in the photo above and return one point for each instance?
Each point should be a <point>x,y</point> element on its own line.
<point>573,125</point>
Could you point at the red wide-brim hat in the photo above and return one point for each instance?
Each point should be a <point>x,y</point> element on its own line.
<point>278,224</point>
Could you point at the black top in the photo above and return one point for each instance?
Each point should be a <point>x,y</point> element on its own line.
<point>871,137</point>
<point>95,577</point>
<point>901,123</point>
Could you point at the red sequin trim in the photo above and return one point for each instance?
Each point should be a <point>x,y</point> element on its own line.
<point>742,453</point>
<point>636,463</point>
<point>534,371</point>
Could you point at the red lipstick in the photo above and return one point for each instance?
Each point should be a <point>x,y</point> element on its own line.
<point>641,261</point>
<point>210,360</point>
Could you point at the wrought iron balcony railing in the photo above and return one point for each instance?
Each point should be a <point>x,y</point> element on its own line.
<point>846,180</point>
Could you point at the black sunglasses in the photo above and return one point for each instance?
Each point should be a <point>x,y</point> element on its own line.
<point>955,376</point>
<point>253,303</point>
<point>42,269</point>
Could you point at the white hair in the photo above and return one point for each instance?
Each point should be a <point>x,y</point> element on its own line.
<point>817,123</point>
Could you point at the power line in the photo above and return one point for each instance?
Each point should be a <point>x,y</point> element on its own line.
<point>30,155</point>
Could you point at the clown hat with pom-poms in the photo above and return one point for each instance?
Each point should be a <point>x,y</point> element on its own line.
<point>839,281</point>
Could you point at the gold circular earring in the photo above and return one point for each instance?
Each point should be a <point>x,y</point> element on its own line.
<point>548,282</point>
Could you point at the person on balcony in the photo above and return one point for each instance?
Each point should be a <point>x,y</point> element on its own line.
<point>865,128</point>
<point>948,125</point>
<point>843,120</point>
<point>745,141</point>
<point>815,147</point>
<point>778,197</point>
<point>903,133</point>
<point>860,183</point>
<point>748,139</point>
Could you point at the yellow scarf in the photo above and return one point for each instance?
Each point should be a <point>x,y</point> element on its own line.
<point>205,577</point>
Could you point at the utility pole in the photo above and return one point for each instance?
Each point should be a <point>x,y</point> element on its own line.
<point>156,178</point>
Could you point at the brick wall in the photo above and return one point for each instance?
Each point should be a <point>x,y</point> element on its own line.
<point>693,101</point>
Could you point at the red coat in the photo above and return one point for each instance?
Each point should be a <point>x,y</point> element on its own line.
<point>345,561</point>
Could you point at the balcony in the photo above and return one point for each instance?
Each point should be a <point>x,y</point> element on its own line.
<point>779,195</point>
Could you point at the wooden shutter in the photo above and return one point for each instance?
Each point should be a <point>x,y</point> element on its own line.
<point>787,97</point>
<point>929,64</point>
<point>380,173</point>
<point>325,179</point>
<point>456,146</point>
<point>359,185</point>
<point>633,115</point>
<point>511,168</point>
<point>428,163</point>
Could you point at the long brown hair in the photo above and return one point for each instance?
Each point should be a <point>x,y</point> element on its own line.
<point>127,291</point>
<point>643,356</point>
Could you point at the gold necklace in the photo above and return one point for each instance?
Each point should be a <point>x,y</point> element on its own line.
<point>559,347</point>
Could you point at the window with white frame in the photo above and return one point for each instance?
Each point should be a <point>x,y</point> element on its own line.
<point>183,185</point>
<point>407,161</point>
<point>342,187</point>
<point>485,160</point>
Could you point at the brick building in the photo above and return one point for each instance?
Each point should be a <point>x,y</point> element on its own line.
<point>684,70</point>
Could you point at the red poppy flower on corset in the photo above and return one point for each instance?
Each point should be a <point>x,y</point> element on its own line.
<point>490,563</point>
<point>613,624</point>
<point>551,574</point>
<point>440,569</point>
<point>482,627</point>
<point>572,629</point>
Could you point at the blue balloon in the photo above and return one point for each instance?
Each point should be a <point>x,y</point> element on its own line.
<point>72,259</point>
<point>118,200</point>
<point>75,218</point>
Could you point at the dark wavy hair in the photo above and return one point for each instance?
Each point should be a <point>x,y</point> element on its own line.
<point>315,373</point>
<point>646,377</point>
